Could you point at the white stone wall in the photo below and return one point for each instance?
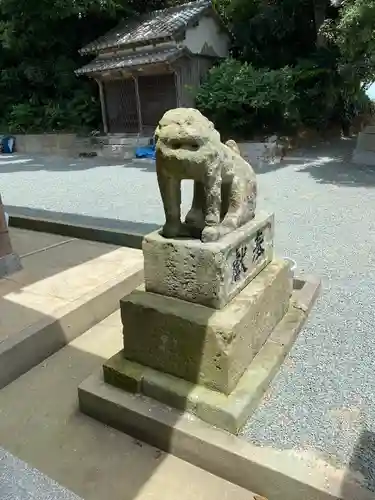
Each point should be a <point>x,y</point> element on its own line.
<point>208,32</point>
<point>50,144</point>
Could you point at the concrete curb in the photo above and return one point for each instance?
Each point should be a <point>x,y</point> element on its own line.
<point>84,232</point>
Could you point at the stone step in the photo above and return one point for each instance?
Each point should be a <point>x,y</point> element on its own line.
<point>66,286</point>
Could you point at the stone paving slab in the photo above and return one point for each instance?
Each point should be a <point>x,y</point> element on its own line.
<point>65,287</point>
<point>18,481</point>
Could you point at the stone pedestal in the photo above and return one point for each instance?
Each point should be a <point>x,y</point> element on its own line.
<point>364,153</point>
<point>202,345</point>
<point>199,359</point>
<point>9,261</point>
<point>210,274</point>
<point>194,331</point>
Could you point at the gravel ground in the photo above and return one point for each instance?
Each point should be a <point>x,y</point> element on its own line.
<point>18,481</point>
<point>96,187</point>
<point>322,400</point>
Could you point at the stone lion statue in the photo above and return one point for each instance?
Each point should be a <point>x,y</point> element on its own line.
<point>225,187</point>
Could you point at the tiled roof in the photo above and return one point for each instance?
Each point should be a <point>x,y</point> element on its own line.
<point>150,27</point>
<point>131,60</point>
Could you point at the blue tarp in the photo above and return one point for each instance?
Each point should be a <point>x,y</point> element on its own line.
<point>145,152</point>
<point>7,144</point>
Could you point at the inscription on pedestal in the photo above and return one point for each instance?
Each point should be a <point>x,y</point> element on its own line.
<point>240,264</point>
<point>253,253</point>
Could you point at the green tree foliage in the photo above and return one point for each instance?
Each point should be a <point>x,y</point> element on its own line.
<point>353,34</point>
<point>323,51</point>
<point>40,40</point>
<point>245,100</point>
<point>298,62</point>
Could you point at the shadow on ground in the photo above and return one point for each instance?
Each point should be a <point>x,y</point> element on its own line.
<point>40,423</point>
<point>341,172</point>
<point>32,295</point>
<point>327,163</point>
<point>362,465</point>
<point>49,218</point>
<point>22,163</point>
<point>60,254</point>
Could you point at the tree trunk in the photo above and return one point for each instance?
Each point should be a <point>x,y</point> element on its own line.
<point>320,10</point>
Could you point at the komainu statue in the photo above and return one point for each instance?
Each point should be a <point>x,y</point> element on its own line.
<point>225,187</point>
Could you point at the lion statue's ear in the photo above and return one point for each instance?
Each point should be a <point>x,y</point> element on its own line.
<point>233,146</point>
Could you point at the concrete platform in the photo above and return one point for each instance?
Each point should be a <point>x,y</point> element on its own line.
<point>66,286</point>
<point>40,423</point>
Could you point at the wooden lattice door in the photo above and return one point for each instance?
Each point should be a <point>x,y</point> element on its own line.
<point>121,106</point>
<point>157,95</point>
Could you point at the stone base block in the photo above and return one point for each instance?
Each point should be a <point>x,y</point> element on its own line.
<point>9,264</point>
<point>366,140</point>
<point>364,157</point>
<point>227,412</point>
<point>210,274</point>
<point>202,345</point>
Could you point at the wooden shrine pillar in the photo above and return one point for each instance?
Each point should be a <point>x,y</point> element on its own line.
<point>103,105</point>
<point>138,101</point>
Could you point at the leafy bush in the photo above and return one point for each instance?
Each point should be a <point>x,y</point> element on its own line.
<point>79,114</point>
<point>243,100</point>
